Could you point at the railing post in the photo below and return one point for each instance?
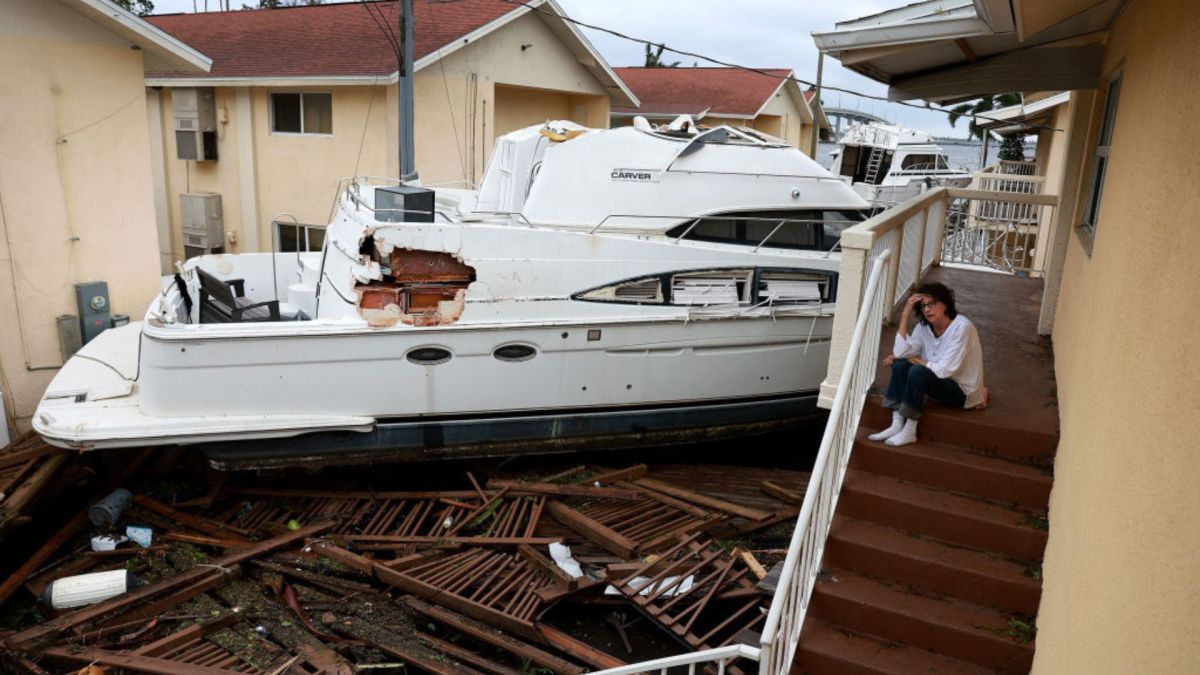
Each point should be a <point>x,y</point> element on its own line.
<point>851,278</point>
<point>893,263</point>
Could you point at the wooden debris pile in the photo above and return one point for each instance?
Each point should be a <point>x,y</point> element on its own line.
<point>251,578</point>
<point>27,466</point>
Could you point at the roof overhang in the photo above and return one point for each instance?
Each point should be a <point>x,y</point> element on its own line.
<point>950,50</point>
<point>160,50</point>
<point>1025,117</point>
<point>315,81</point>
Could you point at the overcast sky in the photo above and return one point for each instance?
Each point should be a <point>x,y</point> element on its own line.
<point>757,33</point>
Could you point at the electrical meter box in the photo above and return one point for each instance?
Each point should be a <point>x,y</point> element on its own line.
<point>94,311</point>
<point>403,204</point>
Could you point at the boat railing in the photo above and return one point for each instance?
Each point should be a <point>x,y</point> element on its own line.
<point>785,620</point>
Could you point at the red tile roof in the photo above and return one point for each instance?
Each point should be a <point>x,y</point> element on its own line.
<point>729,91</point>
<point>343,39</point>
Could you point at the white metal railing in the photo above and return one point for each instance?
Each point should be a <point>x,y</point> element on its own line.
<point>781,634</point>
<point>1016,167</point>
<point>721,657</point>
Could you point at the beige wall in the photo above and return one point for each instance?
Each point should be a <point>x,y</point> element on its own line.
<point>460,104</point>
<point>1121,593</point>
<point>76,202</point>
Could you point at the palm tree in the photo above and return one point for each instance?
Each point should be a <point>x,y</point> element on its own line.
<point>982,105</point>
<point>654,58</point>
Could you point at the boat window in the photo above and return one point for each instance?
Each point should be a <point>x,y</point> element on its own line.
<point>800,229</point>
<point>919,163</point>
<point>943,163</point>
<point>711,288</point>
<point>792,288</point>
<point>836,222</point>
<point>428,356</point>
<point>639,291</point>
<point>514,353</point>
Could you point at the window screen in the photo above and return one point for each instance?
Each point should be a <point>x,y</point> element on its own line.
<point>1112,95</point>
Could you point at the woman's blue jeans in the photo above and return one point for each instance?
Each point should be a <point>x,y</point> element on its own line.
<point>910,383</point>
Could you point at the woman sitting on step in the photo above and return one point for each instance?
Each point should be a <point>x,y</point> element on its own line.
<point>941,357</point>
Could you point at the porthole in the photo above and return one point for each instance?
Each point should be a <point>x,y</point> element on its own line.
<point>428,356</point>
<point>514,353</point>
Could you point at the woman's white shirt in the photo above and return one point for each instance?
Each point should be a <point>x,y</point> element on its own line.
<point>957,355</point>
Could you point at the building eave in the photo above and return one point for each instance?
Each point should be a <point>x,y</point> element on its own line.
<point>143,34</point>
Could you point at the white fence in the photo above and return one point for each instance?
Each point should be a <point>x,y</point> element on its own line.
<point>781,634</point>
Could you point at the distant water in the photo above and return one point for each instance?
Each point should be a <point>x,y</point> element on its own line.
<point>962,153</point>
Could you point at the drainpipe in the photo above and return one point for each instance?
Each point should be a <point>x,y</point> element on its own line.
<point>408,170</point>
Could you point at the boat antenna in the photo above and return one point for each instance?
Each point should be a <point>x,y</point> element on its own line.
<point>404,57</point>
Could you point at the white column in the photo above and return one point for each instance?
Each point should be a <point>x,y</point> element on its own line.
<point>158,174</point>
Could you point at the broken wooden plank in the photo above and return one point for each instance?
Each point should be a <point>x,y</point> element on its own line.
<point>197,523</point>
<point>781,493</point>
<point>557,490</point>
<point>384,542</point>
<point>690,509</point>
<point>593,531</point>
<point>580,650</point>
<point>134,662</point>
<point>751,562</point>
<point>428,662</point>
<point>535,556</point>
<point>491,636</point>
<point>204,540</point>
<point>195,574</point>
<point>465,655</point>
<point>424,588</point>
<point>616,475</point>
<point>704,500</point>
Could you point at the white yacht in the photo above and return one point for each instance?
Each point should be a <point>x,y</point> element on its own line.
<point>614,287</point>
<point>887,164</point>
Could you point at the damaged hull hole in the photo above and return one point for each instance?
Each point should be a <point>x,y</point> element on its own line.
<point>418,288</point>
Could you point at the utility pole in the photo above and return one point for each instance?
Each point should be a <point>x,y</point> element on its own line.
<point>816,99</point>
<point>408,169</point>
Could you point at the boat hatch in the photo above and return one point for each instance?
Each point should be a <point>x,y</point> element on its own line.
<point>419,288</point>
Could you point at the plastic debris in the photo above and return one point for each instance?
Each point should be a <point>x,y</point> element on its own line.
<point>140,534</point>
<point>88,589</point>
<point>107,511</point>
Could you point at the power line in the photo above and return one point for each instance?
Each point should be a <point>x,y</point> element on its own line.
<point>927,106</point>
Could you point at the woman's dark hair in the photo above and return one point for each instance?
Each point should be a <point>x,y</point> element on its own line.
<point>940,293</point>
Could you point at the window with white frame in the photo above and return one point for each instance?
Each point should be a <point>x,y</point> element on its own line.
<point>302,113</point>
<point>1112,95</point>
<point>292,237</point>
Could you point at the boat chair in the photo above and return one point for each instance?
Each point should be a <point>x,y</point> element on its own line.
<point>224,301</point>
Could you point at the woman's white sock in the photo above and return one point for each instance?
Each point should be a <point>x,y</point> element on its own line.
<point>907,435</point>
<point>897,425</point>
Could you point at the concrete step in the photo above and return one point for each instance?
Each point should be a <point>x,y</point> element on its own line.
<point>941,515</point>
<point>971,429</point>
<point>955,628</point>
<point>955,469</point>
<point>936,567</point>
<point>827,649</point>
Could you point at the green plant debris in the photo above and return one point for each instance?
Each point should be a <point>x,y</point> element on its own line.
<point>1038,521</point>
<point>1034,571</point>
<point>1022,629</point>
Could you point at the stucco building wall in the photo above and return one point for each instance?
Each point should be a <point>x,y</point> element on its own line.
<point>1123,558</point>
<point>76,202</point>
<point>461,103</point>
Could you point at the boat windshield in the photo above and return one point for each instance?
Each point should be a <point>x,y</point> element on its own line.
<point>817,230</point>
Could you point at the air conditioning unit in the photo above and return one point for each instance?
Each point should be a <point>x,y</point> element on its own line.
<point>203,223</point>
<point>195,113</point>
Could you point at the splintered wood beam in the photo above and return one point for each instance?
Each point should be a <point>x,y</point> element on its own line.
<point>580,650</point>
<point>379,540</point>
<point>193,575</point>
<point>704,500</point>
<point>751,562</point>
<point>535,557</point>
<point>661,498</point>
<point>465,655</point>
<point>966,50</point>
<point>197,523</point>
<point>781,493</point>
<point>563,490</point>
<point>491,636</point>
<point>616,475</point>
<point>592,530</point>
<point>428,662</point>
